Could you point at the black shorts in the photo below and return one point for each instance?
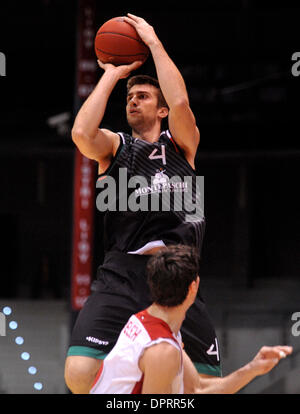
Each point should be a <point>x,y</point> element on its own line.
<point>120,291</point>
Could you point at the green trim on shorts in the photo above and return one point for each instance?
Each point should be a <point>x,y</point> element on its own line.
<point>97,354</point>
<point>86,351</point>
<point>208,369</point>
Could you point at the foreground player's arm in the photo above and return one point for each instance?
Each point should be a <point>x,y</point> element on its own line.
<point>266,359</point>
<point>160,364</point>
<point>182,122</point>
<point>95,143</point>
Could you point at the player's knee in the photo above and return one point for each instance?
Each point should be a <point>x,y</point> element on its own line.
<point>80,373</point>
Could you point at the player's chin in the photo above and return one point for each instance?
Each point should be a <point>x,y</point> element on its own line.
<point>134,120</point>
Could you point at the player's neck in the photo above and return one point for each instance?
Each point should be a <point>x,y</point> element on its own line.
<point>149,135</point>
<point>173,316</point>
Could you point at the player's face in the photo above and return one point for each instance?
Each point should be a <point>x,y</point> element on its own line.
<point>142,109</point>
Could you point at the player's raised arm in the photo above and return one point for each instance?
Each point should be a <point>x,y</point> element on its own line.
<point>182,122</point>
<point>95,143</point>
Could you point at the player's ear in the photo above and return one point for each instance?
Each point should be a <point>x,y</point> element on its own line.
<point>163,112</point>
<point>195,285</point>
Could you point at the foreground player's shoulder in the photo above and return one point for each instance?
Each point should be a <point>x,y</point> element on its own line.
<point>126,138</point>
<point>163,353</point>
<point>166,136</point>
<point>160,364</point>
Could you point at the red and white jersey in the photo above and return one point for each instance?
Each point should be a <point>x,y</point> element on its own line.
<point>120,372</point>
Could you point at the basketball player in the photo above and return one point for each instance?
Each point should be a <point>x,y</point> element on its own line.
<point>148,357</point>
<point>131,237</point>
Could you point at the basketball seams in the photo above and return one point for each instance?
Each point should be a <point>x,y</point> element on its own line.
<point>121,34</point>
<point>115,54</point>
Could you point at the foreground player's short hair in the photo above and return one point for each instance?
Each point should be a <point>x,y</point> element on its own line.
<point>170,273</point>
<point>147,80</point>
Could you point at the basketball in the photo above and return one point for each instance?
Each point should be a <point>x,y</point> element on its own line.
<point>118,42</point>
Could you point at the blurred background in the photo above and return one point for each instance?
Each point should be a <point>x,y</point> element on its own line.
<point>237,60</point>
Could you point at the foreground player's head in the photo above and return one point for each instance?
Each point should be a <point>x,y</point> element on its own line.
<point>148,80</point>
<point>146,104</point>
<point>171,273</point>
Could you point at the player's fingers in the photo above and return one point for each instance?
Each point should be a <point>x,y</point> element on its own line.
<point>276,352</point>
<point>282,350</point>
<point>130,21</point>
<point>285,350</point>
<point>282,354</point>
<point>135,64</point>
<point>130,68</point>
<point>135,18</point>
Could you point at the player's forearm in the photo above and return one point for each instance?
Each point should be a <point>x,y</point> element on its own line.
<point>170,79</point>
<point>230,384</point>
<point>92,111</point>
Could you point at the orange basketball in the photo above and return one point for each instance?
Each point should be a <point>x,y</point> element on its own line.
<point>118,42</point>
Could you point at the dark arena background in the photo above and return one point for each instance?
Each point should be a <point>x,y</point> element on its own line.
<point>240,60</point>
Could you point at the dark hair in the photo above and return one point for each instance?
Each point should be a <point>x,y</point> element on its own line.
<point>147,80</point>
<point>170,273</point>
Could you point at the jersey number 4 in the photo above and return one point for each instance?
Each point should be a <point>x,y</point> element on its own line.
<point>214,350</point>
<point>162,156</point>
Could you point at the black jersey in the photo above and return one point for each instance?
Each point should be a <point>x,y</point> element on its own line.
<point>150,196</point>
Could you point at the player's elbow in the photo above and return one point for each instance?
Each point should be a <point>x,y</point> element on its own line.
<point>181,103</point>
<point>77,134</point>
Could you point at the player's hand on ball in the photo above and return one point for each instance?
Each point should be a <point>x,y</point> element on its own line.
<point>268,357</point>
<point>123,71</point>
<point>145,31</point>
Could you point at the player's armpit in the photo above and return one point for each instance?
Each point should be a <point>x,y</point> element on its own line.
<point>160,364</point>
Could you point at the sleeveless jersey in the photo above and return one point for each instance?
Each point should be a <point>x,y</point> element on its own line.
<point>150,197</point>
<point>120,373</point>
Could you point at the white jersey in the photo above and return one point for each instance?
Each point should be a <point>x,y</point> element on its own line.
<point>120,372</point>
